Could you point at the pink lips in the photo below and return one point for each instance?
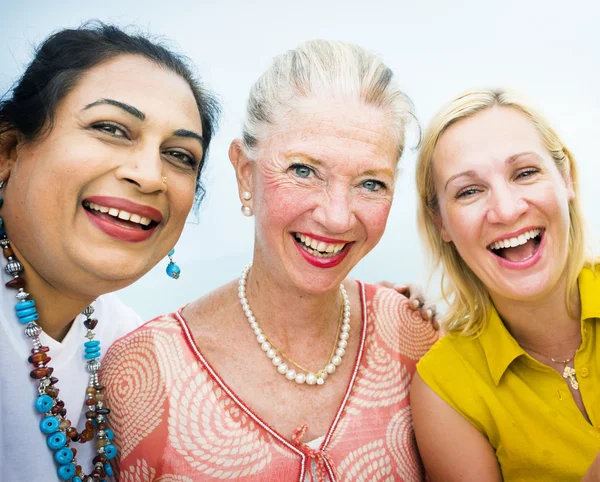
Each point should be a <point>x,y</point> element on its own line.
<point>323,262</point>
<point>526,263</point>
<point>118,231</point>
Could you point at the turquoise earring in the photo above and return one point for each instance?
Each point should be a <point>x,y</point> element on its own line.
<point>173,270</point>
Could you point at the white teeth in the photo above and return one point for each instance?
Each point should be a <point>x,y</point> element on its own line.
<point>516,241</point>
<point>319,248</point>
<point>119,213</point>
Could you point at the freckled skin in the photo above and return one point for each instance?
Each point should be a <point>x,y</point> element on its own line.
<point>500,198</point>
<point>346,144</point>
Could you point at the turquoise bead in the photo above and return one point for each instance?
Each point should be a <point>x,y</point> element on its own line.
<point>57,440</point>
<point>23,305</point>
<point>49,424</point>
<point>171,253</point>
<point>110,435</point>
<point>92,349</point>
<point>173,270</point>
<point>76,479</point>
<point>108,469</point>
<point>66,472</point>
<point>91,343</point>
<point>26,312</point>
<point>89,356</point>
<point>43,404</point>
<point>64,455</point>
<point>110,451</point>
<point>29,319</point>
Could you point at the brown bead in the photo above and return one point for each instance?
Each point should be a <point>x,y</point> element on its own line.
<point>89,425</point>
<point>90,414</point>
<point>38,373</point>
<point>71,432</point>
<point>8,252</point>
<point>50,369</point>
<point>37,357</point>
<point>17,283</point>
<point>60,403</point>
<point>53,380</point>
<point>78,469</point>
<point>45,349</point>
<point>74,450</point>
<point>100,397</point>
<point>63,412</point>
<point>65,423</point>
<point>81,438</point>
<point>90,391</point>
<point>90,323</point>
<point>55,410</point>
<point>90,401</point>
<point>101,443</point>
<point>89,434</point>
<point>99,459</point>
<point>52,391</point>
<point>101,426</point>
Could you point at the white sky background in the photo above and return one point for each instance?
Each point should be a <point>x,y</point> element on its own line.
<point>549,50</point>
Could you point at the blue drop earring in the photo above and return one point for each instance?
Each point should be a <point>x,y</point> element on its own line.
<point>173,270</point>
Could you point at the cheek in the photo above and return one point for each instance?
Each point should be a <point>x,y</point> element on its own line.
<point>375,217</point>
<point>282,200</point>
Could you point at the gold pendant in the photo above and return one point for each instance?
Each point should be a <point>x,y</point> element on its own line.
<point>569,374</point>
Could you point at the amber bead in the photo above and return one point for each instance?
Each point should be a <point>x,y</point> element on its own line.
<point>101,426</point>
<point>37,357</point>
<point>76,438</point>
<point>8,252</point>
<point>78,469</point>
<point>55,410</point>
<point>90,391</point>
<point>90,401</point>
<point>99,459</point>
<point>90,414</point>
<point>82,438</point>
<point>71,432</point>
<point>89,434</point>
<point>17,283</point>
<point>89,425</point>
<point>45,349</point>
<point>39,373</point>
<point>52,391</point>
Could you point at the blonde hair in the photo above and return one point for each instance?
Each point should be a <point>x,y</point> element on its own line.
<point>468,299</point>
<point>323,69</point>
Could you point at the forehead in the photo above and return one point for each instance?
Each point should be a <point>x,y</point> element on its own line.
<point>137,81</point>
<point>493,134</point>
<point>333,130</point>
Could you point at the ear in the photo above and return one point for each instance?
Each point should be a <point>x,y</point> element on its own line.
<point>437,219</point>
<point>243,169</point>
<point>8,153</point>
<point>570,189</point>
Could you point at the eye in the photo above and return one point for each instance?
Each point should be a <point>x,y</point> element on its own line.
<point>111,128</point>
<point>467,192</point>
<point>373,185</point>
<point>527,173</point>
<point>302,170</point>
<point>182,156</point>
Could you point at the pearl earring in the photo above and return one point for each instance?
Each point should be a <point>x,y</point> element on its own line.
<point>247,195</point>
<point>247,211</point>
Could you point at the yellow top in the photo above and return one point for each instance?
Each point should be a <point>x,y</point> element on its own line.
<point>523,407</point>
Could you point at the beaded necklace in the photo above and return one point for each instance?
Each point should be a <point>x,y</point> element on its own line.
<point>54,424</point>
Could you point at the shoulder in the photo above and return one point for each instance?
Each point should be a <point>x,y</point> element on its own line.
<point>391,314</point>
<point>451,350</point>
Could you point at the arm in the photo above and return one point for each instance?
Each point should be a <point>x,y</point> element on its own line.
<point>593,473</point>
<point>451,448</point>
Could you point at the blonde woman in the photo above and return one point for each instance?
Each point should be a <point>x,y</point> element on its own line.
<point>511,393</point>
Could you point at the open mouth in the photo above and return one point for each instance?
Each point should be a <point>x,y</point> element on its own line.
<point>518,248</point>
<point>317,248</point>
<point>120,216</point>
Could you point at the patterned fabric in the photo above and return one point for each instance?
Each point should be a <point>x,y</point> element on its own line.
<point>176,420</point>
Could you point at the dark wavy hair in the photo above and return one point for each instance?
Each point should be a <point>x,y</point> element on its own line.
<point>61,60</point>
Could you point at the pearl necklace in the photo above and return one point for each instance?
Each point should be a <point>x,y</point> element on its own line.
<point>276,356</point>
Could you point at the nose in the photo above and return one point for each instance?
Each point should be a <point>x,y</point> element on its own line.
<point>506,205</point>
<point>334,211</point>
<point>144,169</point>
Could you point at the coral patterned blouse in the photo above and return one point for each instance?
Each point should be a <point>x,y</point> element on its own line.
<point>176,420</point>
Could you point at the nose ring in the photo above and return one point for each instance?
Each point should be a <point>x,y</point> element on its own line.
<point>163,179</point>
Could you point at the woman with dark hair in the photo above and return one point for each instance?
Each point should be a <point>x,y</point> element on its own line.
<point>102,143</point>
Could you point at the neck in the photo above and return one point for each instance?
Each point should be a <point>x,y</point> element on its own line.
<point>57,307</point>
<point>545,325</point>
<point>289,313</point>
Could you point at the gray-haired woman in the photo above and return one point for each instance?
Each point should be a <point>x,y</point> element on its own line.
<point>292,371</point>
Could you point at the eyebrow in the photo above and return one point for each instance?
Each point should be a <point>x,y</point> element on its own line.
<point>508,160</point>
<point>191,135</point>
<point>121,105</point>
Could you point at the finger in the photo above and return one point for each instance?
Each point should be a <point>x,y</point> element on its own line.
<point>415,304</point>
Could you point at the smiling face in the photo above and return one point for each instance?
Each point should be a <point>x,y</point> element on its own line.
<point>322,192</point>
<point>87,202</point>
<point>503,203</point>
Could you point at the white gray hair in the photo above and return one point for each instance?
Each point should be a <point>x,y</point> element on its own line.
<point>322,68</point>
